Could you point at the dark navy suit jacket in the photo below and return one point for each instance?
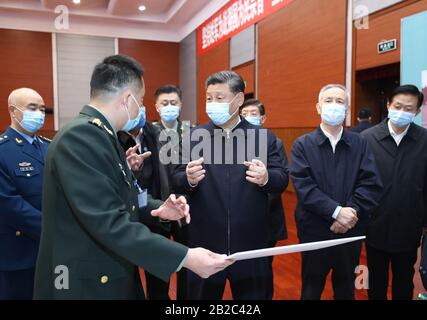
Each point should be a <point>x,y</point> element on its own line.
<point>229,213</point>
<point>324,180</point>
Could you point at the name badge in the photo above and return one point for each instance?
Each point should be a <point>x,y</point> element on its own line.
<point>142,198</point>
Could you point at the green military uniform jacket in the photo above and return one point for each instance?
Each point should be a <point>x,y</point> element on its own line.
<point>181,129</point>
<point>91,222</point>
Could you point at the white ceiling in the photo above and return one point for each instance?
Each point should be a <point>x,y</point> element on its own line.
<point>363,8</point>
<point>166,20</point>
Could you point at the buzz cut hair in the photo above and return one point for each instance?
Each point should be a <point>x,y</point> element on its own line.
<point>114,74</point>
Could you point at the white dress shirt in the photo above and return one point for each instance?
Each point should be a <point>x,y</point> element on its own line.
<point>397,136</point>
<point>332,139</point>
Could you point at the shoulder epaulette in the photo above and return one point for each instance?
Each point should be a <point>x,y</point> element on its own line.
<point>4,139</point>
<point>45,139</point>
<point>97,122</point>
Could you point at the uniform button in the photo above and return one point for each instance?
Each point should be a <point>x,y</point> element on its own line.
<point>133,208</point>
<point>28,175</point>
<point>104,279</point>
<point>18,233</point>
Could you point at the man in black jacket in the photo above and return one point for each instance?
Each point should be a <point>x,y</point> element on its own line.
<point>228,194</point>
<point>337,185</point>
<point>254,112</point>
<point>400,149</point>
<point>364,117</point>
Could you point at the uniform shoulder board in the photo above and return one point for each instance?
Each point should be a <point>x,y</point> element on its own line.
<point>4,139</point>
<point>97,122</point>
<point>45,139</point>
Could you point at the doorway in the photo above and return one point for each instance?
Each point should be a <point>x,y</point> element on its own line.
<point>373,87</point>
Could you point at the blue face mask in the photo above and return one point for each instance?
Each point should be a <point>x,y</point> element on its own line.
<point>142,119</point>
<point>333,114</point>
<point>132,123</point>
<point>401,118</point>
<point>256,121</point>
<point>169,113</point>
<point>32,121</point>
<point>219,112</point>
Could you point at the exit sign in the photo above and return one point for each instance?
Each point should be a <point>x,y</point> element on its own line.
<point>386,46</point>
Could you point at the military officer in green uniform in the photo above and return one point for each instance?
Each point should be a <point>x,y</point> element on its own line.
<point>92,239</point>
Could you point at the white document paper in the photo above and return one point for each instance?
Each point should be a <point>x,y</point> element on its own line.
<point>290,249</point>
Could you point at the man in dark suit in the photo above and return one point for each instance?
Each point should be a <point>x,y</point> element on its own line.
<point>400,149</point>
<point>364,117</point>
<point>254,112</point>
<point>338,186</point>
<point>22,158</point>
<point>92,240</point>
<point>228,190</point>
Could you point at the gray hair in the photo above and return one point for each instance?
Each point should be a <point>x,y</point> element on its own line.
<point>332,86</point>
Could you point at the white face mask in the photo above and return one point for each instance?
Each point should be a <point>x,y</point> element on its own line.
<point>333,114</point>
<point>219,112</point>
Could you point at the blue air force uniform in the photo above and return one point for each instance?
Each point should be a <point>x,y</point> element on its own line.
<point>21,178</point>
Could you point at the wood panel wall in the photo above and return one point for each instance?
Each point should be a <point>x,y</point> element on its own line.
<point>247,72</point>
<point>384,25</point>
<point>288,136</point>
<point>161,63</point>
<point>214,60</point>
<point>25,61</point>
<point>300,49</point>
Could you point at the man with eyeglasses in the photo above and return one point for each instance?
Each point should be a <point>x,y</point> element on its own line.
<point>22,159</point>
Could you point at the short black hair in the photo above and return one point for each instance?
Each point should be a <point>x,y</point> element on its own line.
<point>364,114</point>
<point>408,89</point>
<point>234,81</point>
<point>253,102</point>
<point>114,74</point>
<point>166,89</point>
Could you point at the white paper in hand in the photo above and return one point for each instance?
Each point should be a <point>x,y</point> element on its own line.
<point>290,249</point>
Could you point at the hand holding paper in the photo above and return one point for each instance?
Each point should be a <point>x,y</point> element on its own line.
<point>205,263</point>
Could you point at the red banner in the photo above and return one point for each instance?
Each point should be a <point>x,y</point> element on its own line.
<point>234,17</point>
